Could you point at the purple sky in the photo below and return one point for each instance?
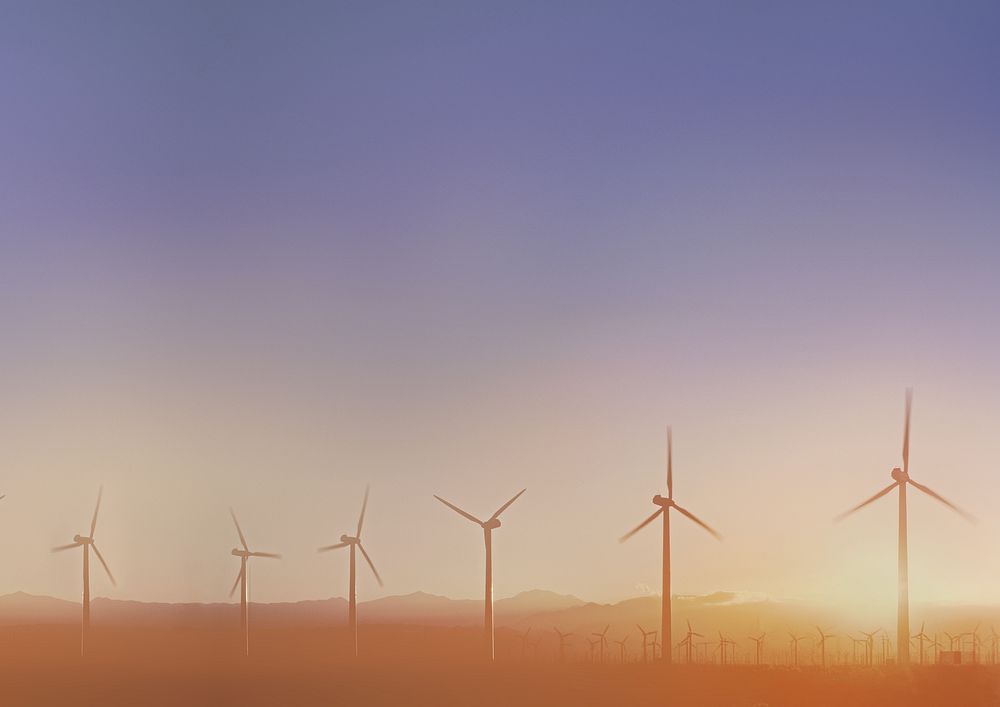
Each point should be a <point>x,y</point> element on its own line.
<point>259,252</point>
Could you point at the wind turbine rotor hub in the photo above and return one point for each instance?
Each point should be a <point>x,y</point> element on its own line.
<point>663,502</point>
<point>492,524</point>
<point>899,475</point>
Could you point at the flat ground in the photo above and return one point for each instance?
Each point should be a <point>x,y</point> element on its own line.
<point>408,666</point>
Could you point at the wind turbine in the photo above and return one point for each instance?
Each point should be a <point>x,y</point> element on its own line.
<point>759,640</point>
<point>870,644</point>
<point>603,638</point>
<point>621,646</point>
<point>488,527</point>
<point>87,543</point>
<point>355,542</point>
<point>242,580</point>
<point>795,648</point>
<point>900,479</point>
<point>562,644</point>
<point>593,647</point>
<point>665,504</point>
<point>645,638</point>
<point>822,645</point>
<point>524,641</point>
<point>722,648</point>
<point>689,638</point>
<point>922,637</point>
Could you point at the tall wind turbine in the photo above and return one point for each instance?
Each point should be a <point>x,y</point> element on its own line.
<point>242,580</point>
<point>900,479</point>
<point>488,527</point>
<point>355,542</point>
<point>665,504</point>
<point>87,543</point>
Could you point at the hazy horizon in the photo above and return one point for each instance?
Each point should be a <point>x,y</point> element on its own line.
<point>261,256</point>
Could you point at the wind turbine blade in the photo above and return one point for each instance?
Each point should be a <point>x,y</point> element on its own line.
<point>65,547</point>
<point>458,510</point>
<point>639,527</point>
<point>670,462</point>
<point>906,431</point>
<point>371,564</point>
<point>861,505</point>
<point>239,576</point>
<point>104,565</point>
<point>700,522</point>
<point>505,506</point>
<point>239,530</point>
<point>364,506</point>
<point>271,555</point>
<point>942,499</point>
<point>93,521</point>
<point>326,548</point>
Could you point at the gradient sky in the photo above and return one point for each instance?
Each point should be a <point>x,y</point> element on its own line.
<point>260,254</point>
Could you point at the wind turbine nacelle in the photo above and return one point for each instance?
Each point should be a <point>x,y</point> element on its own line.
<point>898,475</point>
<point>82,540</point>
<point>348,539</point>
<point>240,553</point>
<point>492,524</point>
<point>662,502</point>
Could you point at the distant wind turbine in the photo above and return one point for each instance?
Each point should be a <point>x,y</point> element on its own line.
<point>795,648</point>
<point>759,640</point>
<point>242,581</point>
<point>355,542</point>
<point>562,643</point>
<point>87,543</point>
<point>645,640</point>
<point>689,639</point>
<point>621,646</point>
<point>900,479</point>
<point>602,637</point>
<point>822,645</point>
<point>665,504</point>
<point>922,637</point>
<point>488,527</point>
<point>524,641</point>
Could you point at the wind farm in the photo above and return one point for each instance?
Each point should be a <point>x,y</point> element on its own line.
<point>345,345</point>
<point>449,638</point>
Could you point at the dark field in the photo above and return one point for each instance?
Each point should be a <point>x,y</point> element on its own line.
<point>419,666</point>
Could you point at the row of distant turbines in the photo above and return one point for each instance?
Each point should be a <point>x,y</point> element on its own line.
<point>900,481</point>
<point>865,648</point>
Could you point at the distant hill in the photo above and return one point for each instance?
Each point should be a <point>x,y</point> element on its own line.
<point>418,608</point>
<point>736,614</point>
